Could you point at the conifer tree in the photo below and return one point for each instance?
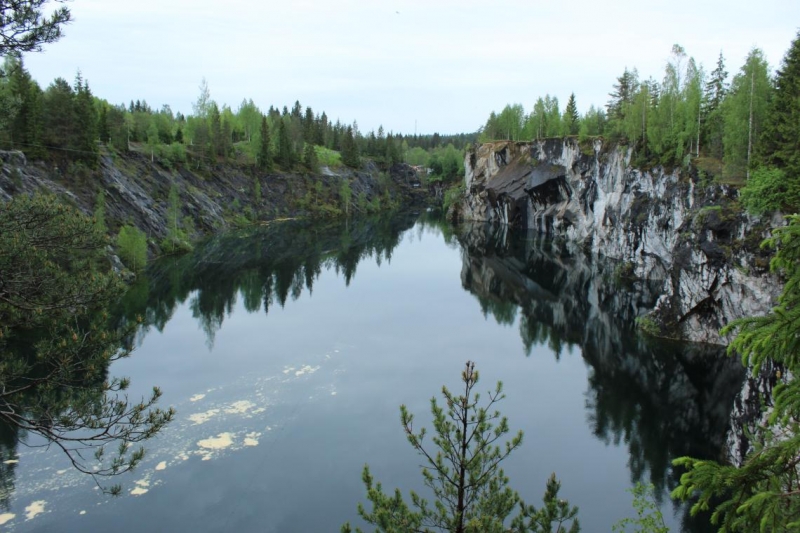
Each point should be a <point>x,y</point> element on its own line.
<point>781,135</point>
<point>265,152</point>
<point>350,156</point>
<point>463,472</point>
<point>24,28</point>
<point>712,119</point>
<point>763,494</point>
<point>56,279</point>
<point>85,122</point>
<point>571,117</point>
<point>310,158</point>
<point>286,157</point>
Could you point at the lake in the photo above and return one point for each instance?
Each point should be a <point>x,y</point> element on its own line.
<point>287,350</point>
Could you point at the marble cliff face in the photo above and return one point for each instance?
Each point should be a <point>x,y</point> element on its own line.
<point>664,226</point>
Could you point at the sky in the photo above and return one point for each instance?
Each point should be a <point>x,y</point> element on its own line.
<point>409,65</point>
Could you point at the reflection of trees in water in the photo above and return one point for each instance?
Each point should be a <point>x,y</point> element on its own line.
<point>265,266</point>
<point>660,399</point>
<point>8,454</point>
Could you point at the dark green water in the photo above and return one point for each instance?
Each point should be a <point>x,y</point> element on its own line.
<point>287,350</point>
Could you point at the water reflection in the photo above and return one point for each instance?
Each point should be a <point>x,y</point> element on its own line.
<point>661,399</point>
<point>264,265</point>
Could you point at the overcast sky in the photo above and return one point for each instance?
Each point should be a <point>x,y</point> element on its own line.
<point>437,65</point>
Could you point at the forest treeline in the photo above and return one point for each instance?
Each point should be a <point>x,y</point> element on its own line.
<point>738,128</point>
<point>66,121</point>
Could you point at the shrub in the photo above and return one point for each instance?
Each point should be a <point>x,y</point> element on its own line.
<point>132,245</point>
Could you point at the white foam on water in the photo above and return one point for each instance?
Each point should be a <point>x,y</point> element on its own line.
<point>197,397</point>
<point>142,487</point>
<point>251,439</point>
<point>240,407</point>
<point>82,513</point>
<point>5,517</point>
<point>11,462</point>
<point>161,466</point>
<point>202,418</point>
<point>34,509</point>
<point>306,369</point>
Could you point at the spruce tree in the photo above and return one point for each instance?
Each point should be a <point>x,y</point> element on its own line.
<point>711,113</point>
<point>781,135</point>
<point>84,138</point>
<point>286,157</point>
<point>571,118</point>
<point>762,494</point>
<point>350,156</point>
<point>310,158</point>
<point>264,152</point>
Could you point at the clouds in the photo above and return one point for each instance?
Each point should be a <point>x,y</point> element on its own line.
<point>446,64</point>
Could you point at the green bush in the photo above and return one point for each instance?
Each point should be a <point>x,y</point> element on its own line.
<point>132,246</point>
<point>769,189</point>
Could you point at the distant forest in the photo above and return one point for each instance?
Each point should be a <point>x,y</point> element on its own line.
<point>722,124</point>
<point>66,121</point>
<point>727,128</point>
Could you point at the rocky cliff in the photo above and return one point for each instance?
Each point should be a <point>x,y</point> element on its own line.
<point>665,226</point>
<point>211,197</point>
<point>663,399</point>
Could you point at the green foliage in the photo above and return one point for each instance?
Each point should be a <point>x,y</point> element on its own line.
<point>346,195</point>
<point>781,133</point>
<point>132,245</point>
<point>176,240</point>
<point>24,27</point>
<point>744,112</point>
<point>286,155</point>
<point>648,516</point>
<point>265,150</point>
<point>56,343</point>
<point>571,117</point>
<point>762,493</point>
<point>310,158</point>
<point>452,196</point>
<point>471,490</point>
<point>648,326</point>
<point>769,189</point>
<point>327,157</point>
<point>350,155</point>
<point>100,213</point>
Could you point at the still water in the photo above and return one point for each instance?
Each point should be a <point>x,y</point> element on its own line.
<point>288,349</point>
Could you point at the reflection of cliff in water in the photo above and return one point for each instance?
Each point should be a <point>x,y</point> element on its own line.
<point>264,265</point>
<point>662,399</point>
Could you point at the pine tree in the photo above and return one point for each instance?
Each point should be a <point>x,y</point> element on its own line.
<point>56,279</point>
<point>24,28</point>
<point>463,472</point>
